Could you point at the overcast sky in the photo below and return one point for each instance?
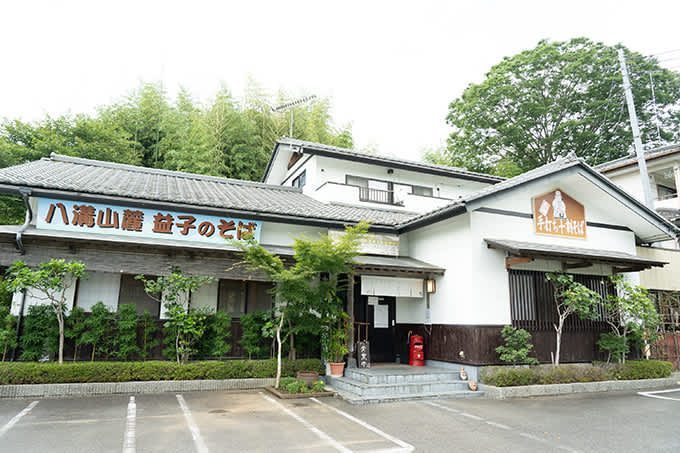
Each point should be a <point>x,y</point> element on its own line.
<point>391,68</point>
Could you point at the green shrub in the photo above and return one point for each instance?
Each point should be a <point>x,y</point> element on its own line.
<point>296,387</point>
<point>51,373</point>
<point>517,346</point>
<point>99,330</point>
<point>149,329</point>
<point>253,341</point>
<point>318,386</point>
<point>566,374</point>
<point>215,340</point>
<point>644,369</point>
<point>125,338</point>
<point>41,333</point>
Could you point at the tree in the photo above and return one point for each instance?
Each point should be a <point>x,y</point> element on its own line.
<point>125,338</point>
<point>185,325</point>
<point>100,329</point>
<point>149,329</point>
<point>310,285</point>
<point>52,281</point>
<point>253,339</point>
<point>8,332</point>
<point>517,346</point>
<point>570,298</point>
<point>75,329</point>
<point>40,333</point>
<point>628,310</point>
<point>557,98</point>
<point>215,340</point>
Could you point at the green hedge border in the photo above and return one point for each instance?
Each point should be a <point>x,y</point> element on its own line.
<point>79,372</point>
<point>503,376</point>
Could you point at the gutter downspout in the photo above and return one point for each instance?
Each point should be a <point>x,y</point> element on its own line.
<point>29,217</point>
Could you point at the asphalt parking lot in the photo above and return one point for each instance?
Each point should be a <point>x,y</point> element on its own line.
<point>255,421</point>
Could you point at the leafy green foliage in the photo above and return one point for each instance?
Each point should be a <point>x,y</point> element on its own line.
<point>571,297</point>
<point>628,311</point>
<point>75,329</point>
<point>215,340</point>
<point>51,282</point>
<point>310,285</point>
<point>125,336</point>
<point>554,99</point>
<point>100,330</point>
<point>183,330</point>
<point>517,346</point>
<point>256,343</point>
<point>8,332</point>
<point>40,333</point>
<point>50,373</point>
<point>184,327</point>
<point>616,346</point>
<point>149,329</point>
<point>566,374</point>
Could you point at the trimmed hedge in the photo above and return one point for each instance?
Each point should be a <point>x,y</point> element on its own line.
<point>53,373</point>
<point>500,376</point>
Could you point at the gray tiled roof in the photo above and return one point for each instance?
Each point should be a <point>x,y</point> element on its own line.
<point>64,173</point>
<point>631,159</point>
<point>560,164</point>
<point>574,253</point>
<point>388,160</point>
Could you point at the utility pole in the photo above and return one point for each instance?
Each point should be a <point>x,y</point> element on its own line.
<point>291,105</point>
<point>642,163</point>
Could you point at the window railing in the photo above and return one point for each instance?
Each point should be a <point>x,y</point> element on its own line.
<point>376,195</point>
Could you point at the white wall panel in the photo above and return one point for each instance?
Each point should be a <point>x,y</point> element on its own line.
<point>206,296</point>
<point>99,286</point>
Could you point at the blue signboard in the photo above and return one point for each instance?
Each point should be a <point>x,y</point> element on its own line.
<point>64,215</point>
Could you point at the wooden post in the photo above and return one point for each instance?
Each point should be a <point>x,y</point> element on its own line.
<point>350,312</point>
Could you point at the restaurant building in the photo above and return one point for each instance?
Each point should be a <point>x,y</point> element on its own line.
<point>453,255</point>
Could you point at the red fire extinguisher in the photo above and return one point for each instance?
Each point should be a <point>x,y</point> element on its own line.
<point>416,353</point>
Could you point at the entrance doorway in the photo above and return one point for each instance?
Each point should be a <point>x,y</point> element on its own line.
<point>380,314</point>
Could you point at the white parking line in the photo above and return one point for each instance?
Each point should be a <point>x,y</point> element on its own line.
<point>404,447</point>
<point>17,417</point>
<point>129,440</point>
<point>322,435</point>
<point>499,425</point>
<point>195,432</point>
<point>655,394</point>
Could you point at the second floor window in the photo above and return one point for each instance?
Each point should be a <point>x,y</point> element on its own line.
<point>387,192</point>
<point>300,179</point>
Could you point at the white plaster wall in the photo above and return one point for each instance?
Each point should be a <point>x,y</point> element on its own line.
<point>36,298</point>
<point>283,234</point>
<point>666,278</point>
<point>99,286</point>
<point>448,244</point>
<point>335,170</point>
<point>205,297</point>
<point>628,181</point>
<point>410,310</point>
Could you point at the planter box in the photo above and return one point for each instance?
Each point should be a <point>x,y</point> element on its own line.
<point>285,395</point>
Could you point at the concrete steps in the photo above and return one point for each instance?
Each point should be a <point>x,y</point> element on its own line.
<point>399,383</point>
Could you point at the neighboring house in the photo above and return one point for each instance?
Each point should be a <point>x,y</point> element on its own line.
<point>485,242</point>
<point>663,168</point>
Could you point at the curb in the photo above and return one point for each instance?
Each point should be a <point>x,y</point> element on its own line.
<point>139,387</point>
<point>524,391</point>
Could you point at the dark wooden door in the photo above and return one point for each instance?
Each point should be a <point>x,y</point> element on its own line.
<point>381,316</point>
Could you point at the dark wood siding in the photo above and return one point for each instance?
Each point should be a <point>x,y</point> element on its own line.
<point>532,305</point>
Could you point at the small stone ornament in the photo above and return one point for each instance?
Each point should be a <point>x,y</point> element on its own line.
<point>463,374</point>
<point>472,385</point>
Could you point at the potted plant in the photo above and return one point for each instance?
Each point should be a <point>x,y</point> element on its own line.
<point>337,348</point>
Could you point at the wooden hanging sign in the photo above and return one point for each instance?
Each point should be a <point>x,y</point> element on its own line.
<point>558,214</point>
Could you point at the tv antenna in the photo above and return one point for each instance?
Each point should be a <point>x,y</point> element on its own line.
<point>291,106</point>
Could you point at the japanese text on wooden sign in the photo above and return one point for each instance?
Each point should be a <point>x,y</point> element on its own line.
<point>98,218</point>
<point>557,214</point>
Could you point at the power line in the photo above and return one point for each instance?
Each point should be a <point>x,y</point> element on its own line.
<point>666,52</point>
